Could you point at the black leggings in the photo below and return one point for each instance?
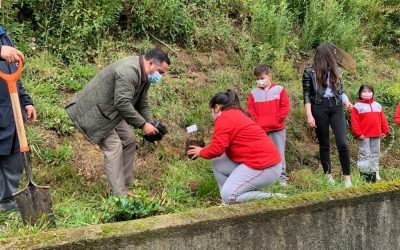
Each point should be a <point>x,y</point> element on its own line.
<point>326,113</point>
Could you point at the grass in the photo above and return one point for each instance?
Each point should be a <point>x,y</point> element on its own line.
<point>60,157</point>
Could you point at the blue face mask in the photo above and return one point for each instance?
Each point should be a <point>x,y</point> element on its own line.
<point>154,78</point>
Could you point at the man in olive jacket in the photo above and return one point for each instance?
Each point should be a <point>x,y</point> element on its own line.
<point>114,98</point>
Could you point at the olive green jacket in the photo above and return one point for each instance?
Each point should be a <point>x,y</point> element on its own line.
<point>117,92</point>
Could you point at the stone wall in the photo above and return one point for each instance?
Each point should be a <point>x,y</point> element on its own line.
<point>365,217</point>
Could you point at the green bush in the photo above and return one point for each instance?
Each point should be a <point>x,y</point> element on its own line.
<point>125,208</point>
<point>271,24</point>
<point>331,20</point>
<point>168,20</point>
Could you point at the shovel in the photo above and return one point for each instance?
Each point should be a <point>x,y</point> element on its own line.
<point>34,201</point>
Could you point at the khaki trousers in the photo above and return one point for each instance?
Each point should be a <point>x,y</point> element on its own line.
<point>119,149</point>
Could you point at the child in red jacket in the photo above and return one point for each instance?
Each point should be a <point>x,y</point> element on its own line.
<point>397,115</point>
<point>269,105</point>
<point>369,124</point>
<point>244,157</point>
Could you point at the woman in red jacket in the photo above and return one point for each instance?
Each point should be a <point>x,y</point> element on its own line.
<point>244,157</point>
<point>369,124</point>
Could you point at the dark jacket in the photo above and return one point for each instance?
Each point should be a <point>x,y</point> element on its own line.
<point>314,91</point>
<point>117,92</point>
<point>8,136</point>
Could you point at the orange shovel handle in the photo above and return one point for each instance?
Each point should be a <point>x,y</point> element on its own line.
<point>11,81</point>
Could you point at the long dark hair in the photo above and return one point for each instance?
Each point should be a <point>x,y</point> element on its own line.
<point>325,62</point>
<point>227,100</point>
<point>365,86</point>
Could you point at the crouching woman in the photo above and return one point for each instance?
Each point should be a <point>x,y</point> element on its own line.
<point>244,158</point>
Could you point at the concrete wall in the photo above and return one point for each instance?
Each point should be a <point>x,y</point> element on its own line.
<point>366,217</point>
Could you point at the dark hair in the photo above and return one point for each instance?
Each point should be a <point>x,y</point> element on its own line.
<point>262,69</point>
<point>325,62</point>
<point>365,86</point>
<point>158,56</point>
<point>227,100</point>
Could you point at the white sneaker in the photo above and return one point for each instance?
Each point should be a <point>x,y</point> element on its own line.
<point>331,180</point>
<point>378,177</point>
<point>348,184</point>
<point>283,183</point>
<point>278,195</point>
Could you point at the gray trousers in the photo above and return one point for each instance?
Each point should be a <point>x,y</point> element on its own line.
<point>10,175</point>
<point>239,183</point>
<point>368,155</point>
<point>279,139</point>
<point>119,156</point>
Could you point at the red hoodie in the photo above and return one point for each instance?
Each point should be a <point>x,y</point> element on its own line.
<point>397,115</point>
<point>368,119</point>
<point>269,108</point>
<point>242,140</point>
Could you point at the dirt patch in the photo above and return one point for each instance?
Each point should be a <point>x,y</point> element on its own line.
<point>88,158</point>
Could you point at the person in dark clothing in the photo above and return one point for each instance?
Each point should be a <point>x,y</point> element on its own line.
<point>10,160</point>
<point>324,99</point>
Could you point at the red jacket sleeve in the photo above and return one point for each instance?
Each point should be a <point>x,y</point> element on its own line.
<point>385,124</point>
<point>219,142</point>
<point>397,115</point>
<point>250,107</point>
<point>284,107</point>
<point>355,123</point>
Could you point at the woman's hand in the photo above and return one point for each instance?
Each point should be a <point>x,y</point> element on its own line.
<point>362,137</point>
<point>311,121</point>
<point>348,105</point>
<point>194,151</point>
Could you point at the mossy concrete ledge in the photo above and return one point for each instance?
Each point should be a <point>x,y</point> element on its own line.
<point>364,217</point>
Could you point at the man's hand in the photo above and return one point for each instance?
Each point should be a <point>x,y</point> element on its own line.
<point>149,129</point>
<point>30,113</point>
<point>10,54</point>
<point>362,137</point>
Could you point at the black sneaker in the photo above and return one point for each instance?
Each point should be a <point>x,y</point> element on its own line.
<point>8,206</point>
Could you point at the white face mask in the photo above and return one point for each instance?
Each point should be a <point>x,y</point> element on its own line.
<point>262,82</point>
<point>367,95</point>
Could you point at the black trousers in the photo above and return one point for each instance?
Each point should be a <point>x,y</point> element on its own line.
<point>329,113</point>
<point>10,175</point>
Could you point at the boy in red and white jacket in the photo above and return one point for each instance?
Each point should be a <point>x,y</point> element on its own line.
<point>369,124</point>
<point>268,104</point>
<point>397,115</point>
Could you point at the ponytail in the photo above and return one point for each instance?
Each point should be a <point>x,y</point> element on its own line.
<point>227,100</point>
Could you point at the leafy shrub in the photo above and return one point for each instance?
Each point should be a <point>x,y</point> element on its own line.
<point>125,208</point>
<point>331,20</point>
<point>165,19</point>
<point>271,23</point>
<point>67,28</point>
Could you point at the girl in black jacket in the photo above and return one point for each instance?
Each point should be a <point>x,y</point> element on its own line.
<point>324,99</point>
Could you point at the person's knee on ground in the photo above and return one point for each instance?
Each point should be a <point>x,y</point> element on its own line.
<point>228,196</point>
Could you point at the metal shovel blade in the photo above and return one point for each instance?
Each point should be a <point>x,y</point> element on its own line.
<point>34,204</point>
